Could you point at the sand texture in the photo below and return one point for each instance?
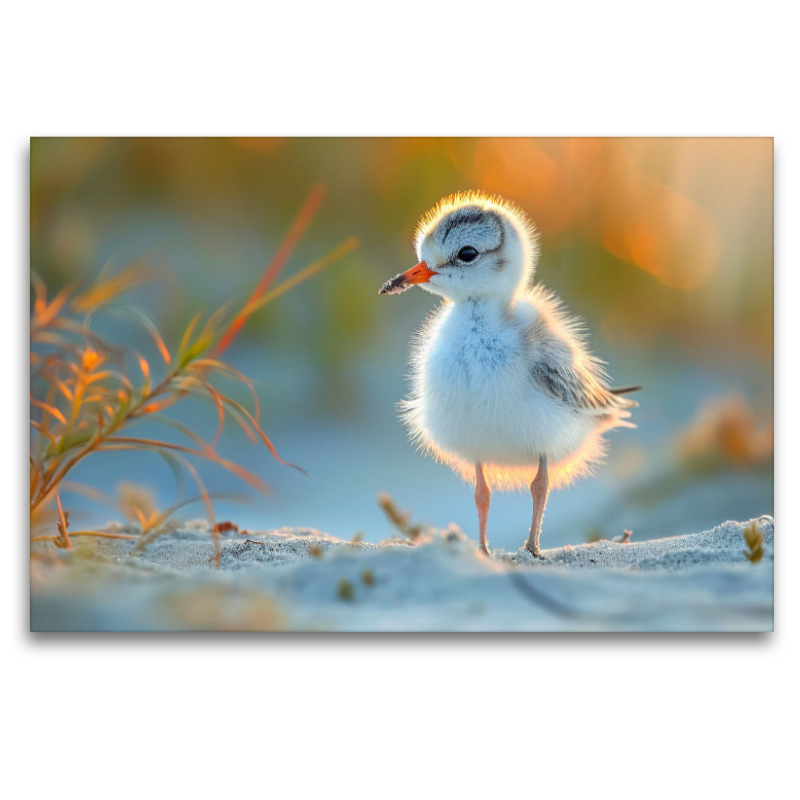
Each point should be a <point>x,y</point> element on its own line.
<point>304,580</point>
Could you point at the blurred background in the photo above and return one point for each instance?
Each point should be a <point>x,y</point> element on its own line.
<point>664,246</point>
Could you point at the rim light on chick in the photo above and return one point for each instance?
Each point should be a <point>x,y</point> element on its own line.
<point>504,388</point>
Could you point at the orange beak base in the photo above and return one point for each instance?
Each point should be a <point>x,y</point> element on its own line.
<point>405,280</point>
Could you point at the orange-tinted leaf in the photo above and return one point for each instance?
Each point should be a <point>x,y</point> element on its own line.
<point>49,312</point>
<point>264,438</point>
<point>304,274</point>
<point>227,369</point>
<point>50,409</point>
<point>187,335</point>
<point>298,227</point>
<point>102,291</point>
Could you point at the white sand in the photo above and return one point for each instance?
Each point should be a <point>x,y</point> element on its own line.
<point>697,582</point>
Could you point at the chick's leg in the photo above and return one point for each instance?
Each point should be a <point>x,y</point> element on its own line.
<point>539,489</point>
<point>483,495</point>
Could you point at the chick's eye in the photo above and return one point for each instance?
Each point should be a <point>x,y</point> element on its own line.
<point>467,254</point>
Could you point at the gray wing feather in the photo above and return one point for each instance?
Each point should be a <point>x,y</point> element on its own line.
<point>560,364</point>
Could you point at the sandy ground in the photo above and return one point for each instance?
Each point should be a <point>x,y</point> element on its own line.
<point>304,580</point>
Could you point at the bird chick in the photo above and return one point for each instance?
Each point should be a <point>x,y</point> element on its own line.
<point>504,389</point>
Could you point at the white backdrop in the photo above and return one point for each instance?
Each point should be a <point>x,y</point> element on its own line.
<point>129,716</point>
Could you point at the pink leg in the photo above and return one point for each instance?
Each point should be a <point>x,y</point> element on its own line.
<point>482,496</point>
<point>539,489</point>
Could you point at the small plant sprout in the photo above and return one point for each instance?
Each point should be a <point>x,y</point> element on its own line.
<point>368,577</point>
<point>755,543</point>
<point>401,520</point>
<point>345,591</point>
<point>62,540</point>
<point>88,393</point>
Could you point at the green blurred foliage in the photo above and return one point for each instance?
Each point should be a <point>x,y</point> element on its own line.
<point>659,242</point>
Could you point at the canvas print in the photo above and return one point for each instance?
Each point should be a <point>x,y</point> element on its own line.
<point>401,384</point>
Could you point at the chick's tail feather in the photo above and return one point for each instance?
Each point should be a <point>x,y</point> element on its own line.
<point>626,390</point>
